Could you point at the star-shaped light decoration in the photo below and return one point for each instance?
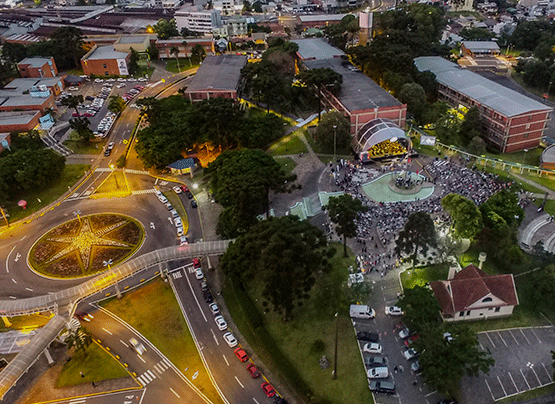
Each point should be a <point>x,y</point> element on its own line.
<point>84,241</point>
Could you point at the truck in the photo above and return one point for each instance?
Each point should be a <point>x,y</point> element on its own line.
<point>361,311</point>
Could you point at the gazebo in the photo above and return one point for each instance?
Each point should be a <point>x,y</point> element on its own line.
<point>183,166</point>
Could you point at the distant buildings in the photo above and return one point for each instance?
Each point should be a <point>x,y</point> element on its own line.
<point>37,67</point>
<point>360,99</point>
<point>479,48</point>
<point>30,94</point>
<point>165,45</point>
<point>198,20</point>
<point>105,61</point>
<point>511,121</point>
<point>218,76</point>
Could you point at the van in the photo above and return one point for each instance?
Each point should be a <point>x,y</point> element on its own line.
<point>361,311</point>
<point>378,373</point>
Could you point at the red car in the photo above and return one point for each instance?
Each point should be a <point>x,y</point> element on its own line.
<point>196,263</point>
<point>268,389</point>
<point>184,188</point>
<point>410,340</point>
<point>241,354</point>
<point>75,115</point>
<point>253,370</point>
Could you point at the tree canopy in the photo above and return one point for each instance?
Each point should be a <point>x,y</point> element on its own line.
<point>333,128</point>
<point>343,210</point>
<point>417,236</point>
<point>319,79</point>
<point>166,29</point>
<point>241,180</point>
<point>466,219</point>
<point>285,253</point>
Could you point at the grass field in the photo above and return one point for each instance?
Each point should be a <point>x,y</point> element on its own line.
<point>38,199</point>
<point>528,395</point>
<point>96,365</point>
<point>162,323</point>
<point>287,164</point>
<point>80,147</point>
<point>420,276</point>
<point>295,339</point>
<point>290,144</point>
<point>177,204</point>
<point>171,65</point>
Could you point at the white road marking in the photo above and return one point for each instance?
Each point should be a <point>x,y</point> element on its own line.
<point>501,384</point>
<point>13,297</point>
<point>140,378</point>
<point>29,289</point>
<point>524,335</point>
<point>167,362</point>
<point>225,359</point>
<point>141,358</point>
<point>163,365</point>
<point>254,399</point>
<point>214,335</point>
<point>510,332</point>
<point>158,368</point>
<point>107,331</point>
<point>532,367</point>
<point>23,238</point>
<point>8,257</point>
<point>240,384</point>
<point>172,390</point>
<point>500,336</point>
<point>429,394</point>
<point>524,377</point>
<point>196,299</point>
<point>152,374</point>
<point>514,384</point>
<point>147,377</point>
<point>487,335</point>
<point>13,280</point>
<point>535,335</point>
<point>489,388</point>
<point>127,346</point>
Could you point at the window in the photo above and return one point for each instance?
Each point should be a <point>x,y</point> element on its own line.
<point>106,74</point>
<point>487,300</point>
<point>104,66</point>
<point>468,313</point>
<point>497,309</point>
<point>461,314</point>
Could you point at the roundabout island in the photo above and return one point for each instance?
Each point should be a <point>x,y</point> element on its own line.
<point>85,246</point>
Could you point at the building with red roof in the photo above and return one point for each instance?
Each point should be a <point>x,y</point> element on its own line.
<point>472,294</point>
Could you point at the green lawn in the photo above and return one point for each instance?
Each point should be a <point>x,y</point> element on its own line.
<point>30,322</point>
<point>421,276</point>
<point>287,164</point>
<point>143,69</point>
<point>290,144</point>
<point>532,157</point>
<point>290,349</point>
<point>69,177</point>
<point>545,391</point>
<point>96,365</point>
<point>80,147</point>
<point>171,64</point>
<point>162,323</point>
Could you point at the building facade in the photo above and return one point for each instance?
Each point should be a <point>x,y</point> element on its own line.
<point>19,121</point>
<point>198,20</point>
<point>105,61</point>
<point>511,121</point>
<point>37,67</point>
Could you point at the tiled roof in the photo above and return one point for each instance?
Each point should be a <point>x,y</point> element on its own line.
<point>471,285</point>
<point>189,162</point>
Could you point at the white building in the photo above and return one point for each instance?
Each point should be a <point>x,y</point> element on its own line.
<point>198,21</point>
<point>233,26</point>
<point>228,7</point>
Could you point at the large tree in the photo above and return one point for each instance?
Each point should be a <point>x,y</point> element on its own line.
<point>285,253</point>
<point>471,125</point>
<point>420,307</point>
<point>73,101</point>
<point>466,219</point>
<point>116,104</point>
<point>417,236</point>
<point>68,47</point>
<point>320,79</point>
<point>166,29</point>
<point>241,181</point>
<point>343,210</point>
<point>174,50</point>
<point>333,132</point>
<point>414,96</point>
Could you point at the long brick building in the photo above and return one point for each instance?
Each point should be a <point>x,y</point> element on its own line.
<point>511,121</point>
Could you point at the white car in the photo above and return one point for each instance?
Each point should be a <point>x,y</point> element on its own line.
<point>131,79</point>
<point>111,79</point>
<point>198,273</point>
<point>404,333</point>
<point>142,79</point>
<point>372,347</point>
<point>178,222</point>
<point>220,322</point>
<point>177,190</point>
<point>180,232</point>
<point>73,88</point>
<point>121,85</point>
<point>121,79</point>
<point>183,241</point>
<point>214,308</point>
<point>98,81</point>
<point>230,339</point>
<point>410,354</point>
<point>393,311</point>
<point>137,346</point>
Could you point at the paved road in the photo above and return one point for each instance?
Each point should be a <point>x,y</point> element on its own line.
<point>121,397</point>
<point>229,373</point>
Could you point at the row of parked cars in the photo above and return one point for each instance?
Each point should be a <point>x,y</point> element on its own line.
<point>105,124</point>
<point>128,96</point>
<point>228,336</point>
<point>176,218</point>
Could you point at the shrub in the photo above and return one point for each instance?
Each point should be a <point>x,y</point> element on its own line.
<point>319,345</point>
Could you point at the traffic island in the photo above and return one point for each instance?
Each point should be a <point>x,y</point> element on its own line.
<point>86,245</point>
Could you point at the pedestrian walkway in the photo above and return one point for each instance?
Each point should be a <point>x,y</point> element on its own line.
<point>550,193</point>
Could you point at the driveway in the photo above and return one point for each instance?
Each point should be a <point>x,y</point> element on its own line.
<point>522,362</point>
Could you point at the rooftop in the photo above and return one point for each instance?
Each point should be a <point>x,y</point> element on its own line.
<point>25,99</point>
<point>34,62</point>
<point>18,86</point>
<point>130,39</point>
<point>104,52</point>
<point>220,72</point>
<point>17,118</point>
<point>358,91</point>
<point>495,96</point>
<point>480,45</point>
<point>321,17</point>
<point>316,48</point>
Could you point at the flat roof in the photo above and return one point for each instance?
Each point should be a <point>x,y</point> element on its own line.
<point>23,100</point>
<point>18,86</point>
<point>220,72</point>
<point>132,39</point>
<point>316,48</point>
<point>321,17</point>
<point>105,52</point>
<point>35,62</point>
<point>17,118</point>
<point>358,91</point>
<point>493,95</point>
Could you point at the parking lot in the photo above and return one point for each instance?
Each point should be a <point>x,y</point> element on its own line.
<point>522,362</point>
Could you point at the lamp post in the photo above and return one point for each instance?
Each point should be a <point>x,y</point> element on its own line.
<point>109,265</point>
<point>334,140</point>
<point>334,374</point>
<point>524,156</point>
<point>114,172</point>
<point>77,214</point>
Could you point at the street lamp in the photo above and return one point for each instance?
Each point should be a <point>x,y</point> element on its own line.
<point>524,156</point>
<point>77,213</point>
<point>114,172</point>
<point>334,140</point>
<point>109,265</point>
<point>334,374</point>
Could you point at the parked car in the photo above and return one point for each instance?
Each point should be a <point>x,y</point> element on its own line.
<point>382,386</point>
<point>221,323</point>
<point>404,333</point>
<point>183,241</point>
<point>377,373</point>
<point>411,340</point>
<point>410,353</point>
<point>415,366</point>
<point>189,195</point>
<point>230,340</point>
<point>393,311</point>
<point>137,346</point>
<point>373,348</point>
<point>180,232</point>
<point>375,361</point>
<point>196,263</point>
<point>268,389</point>
<point>98,80</point>
<point>177,189</point>
<point>241,354</point>
<point>193,204</point>
<point>199,274</point>
<point>253,370</point>
<point>184,188</point>
<point>368,336</point>
<point>207,296</point>
<point>214,308</point>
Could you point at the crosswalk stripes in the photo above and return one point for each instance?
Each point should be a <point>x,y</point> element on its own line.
<point>143,191</point>
<point>148,376</point>
<point>127,171</point>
